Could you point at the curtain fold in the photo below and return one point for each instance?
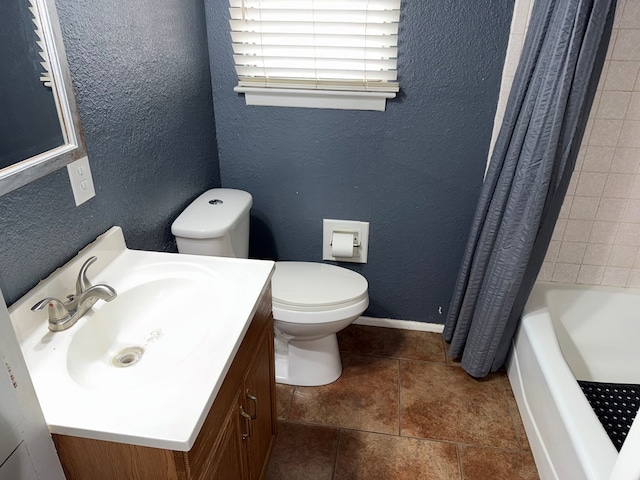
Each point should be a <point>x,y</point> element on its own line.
<point>528,176</point>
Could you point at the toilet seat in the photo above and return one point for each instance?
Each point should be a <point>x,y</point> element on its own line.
<point>307,292</point>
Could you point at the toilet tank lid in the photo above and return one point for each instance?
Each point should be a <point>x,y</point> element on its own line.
<point>213,214</point>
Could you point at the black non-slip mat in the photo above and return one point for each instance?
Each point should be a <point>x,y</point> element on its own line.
<point>615,404</point>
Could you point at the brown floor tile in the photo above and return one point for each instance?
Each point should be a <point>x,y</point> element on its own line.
<point>305,452</point>
<point>284,394</point>
<point>489,464</point>
<point>372,456</point>
<point>442,402</point>
<point>365,397</point>
<point>392,342</point>
<point>521,434</point>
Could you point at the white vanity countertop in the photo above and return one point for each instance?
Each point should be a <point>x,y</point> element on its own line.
<point>163,400</point>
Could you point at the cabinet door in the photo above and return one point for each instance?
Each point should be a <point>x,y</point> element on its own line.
<point>229,461</point>
<point>259,396</point>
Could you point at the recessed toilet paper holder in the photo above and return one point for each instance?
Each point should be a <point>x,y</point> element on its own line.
<point>338,247</point>
<point>355,233</point>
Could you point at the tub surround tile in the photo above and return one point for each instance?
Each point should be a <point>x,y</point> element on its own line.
<point>365,397</point>
<point>444,403</point>
<point>590,274</point>
<point>303,452</point>
<point>616,276</point>
<point>621,75</point>
<point>634,278</point>
<point>479,463</point>
<point>364,456</point>
<point>392,342</point>
<point>565,272</point>
<point>598,159</point>
<point>625,160</point>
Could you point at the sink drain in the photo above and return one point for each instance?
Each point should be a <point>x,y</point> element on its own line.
<point>128,356</point>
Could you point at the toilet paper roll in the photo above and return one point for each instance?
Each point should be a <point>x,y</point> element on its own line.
<point>342,244</point>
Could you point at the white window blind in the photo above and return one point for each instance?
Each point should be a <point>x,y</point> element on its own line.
<point>321,45</point>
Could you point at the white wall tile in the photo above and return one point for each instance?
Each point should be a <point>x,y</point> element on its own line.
<point>613,104</point>
<point>630,132</point>
<point>634,279</point>
<point>597,254</point>
<point>577,230</point>
<point>621,75</point>
<point>611,209</point>
<point>632,211</point>
<point>566,206</point>
<point>633,112</point>
<point>622,256</point>
<point>552,251</point>
<point>605,133</point>
<point>625,160</point>
<point>571,252</point>
<point>603,232</point>
<point>628,234</point>
<point>615,276</point>
<point>590,184</point>
<point>618,185</point>
<point>564,272</point>
<point>630,17</point>
<point>546,272</point>
<point>590,274</point>
<point>626,46</point>
<point>598,159</point>
<point>584,208</point>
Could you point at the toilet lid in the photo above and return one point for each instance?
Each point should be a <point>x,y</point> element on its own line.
<point>308,284</point>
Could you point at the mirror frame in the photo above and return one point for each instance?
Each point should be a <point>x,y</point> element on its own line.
<point>30,169</point>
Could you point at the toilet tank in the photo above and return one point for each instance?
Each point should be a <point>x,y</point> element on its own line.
<point>216,223</point>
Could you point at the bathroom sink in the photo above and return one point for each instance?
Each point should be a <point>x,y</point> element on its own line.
<point>155,326</point>
<point>145,367</point>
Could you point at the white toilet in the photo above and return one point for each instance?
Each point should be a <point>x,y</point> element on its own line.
<point>311,301</point>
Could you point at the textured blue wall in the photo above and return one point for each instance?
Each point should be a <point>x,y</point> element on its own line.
<point>143,88</point>
<point>414,172</point>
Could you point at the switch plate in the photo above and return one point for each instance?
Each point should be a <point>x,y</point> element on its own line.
<point>81,180</point>
<point>360,230</point>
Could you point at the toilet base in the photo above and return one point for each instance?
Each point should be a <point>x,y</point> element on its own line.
<point>307,363</point>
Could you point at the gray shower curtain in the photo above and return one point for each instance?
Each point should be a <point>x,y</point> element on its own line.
<point>528,176</point>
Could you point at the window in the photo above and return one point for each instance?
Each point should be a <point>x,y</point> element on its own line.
<point>316,53</point>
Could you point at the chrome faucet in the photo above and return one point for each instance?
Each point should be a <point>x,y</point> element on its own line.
<point>64,315</point>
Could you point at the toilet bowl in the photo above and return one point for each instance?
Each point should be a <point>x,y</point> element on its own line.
<point>311,301</point>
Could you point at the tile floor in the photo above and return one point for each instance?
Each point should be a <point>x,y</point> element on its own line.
<point>400,410</point>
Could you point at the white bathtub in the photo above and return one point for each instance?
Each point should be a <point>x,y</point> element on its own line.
<point>571,332</point>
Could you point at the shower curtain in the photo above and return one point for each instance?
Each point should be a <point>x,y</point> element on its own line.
<point>528,176</point>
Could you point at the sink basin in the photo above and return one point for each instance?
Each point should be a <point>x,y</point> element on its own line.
<point>154,326</point>
<point>163,345</point>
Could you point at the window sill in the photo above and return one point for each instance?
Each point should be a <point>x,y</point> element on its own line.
<point>338,99</point>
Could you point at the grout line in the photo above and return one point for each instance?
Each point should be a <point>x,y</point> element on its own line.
<point>459,453</point>
<point>335,459</point>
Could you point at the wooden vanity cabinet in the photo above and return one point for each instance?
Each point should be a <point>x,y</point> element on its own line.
<point>234,443</point>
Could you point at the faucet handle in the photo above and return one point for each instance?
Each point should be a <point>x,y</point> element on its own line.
<point>83,283</point>
<point>57,311</point>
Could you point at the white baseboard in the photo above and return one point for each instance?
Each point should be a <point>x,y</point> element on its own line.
<point>400,324</point>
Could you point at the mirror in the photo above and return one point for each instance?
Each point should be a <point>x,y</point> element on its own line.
<point>40,129</point>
